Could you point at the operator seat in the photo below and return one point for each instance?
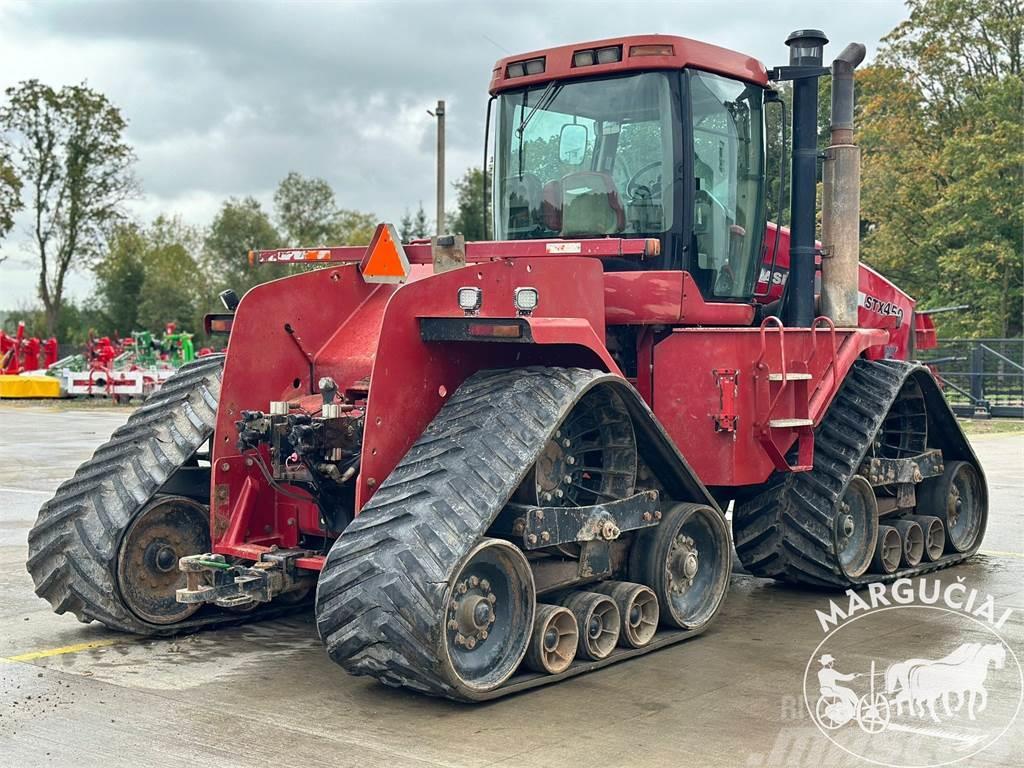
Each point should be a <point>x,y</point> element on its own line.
<point>590,205</point>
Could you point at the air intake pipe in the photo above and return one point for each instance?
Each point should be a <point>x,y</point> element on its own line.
<point>840,207</point>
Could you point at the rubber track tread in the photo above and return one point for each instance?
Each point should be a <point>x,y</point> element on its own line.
<point>74,543</point>
<point>785,532</point>
<point>380,595</point>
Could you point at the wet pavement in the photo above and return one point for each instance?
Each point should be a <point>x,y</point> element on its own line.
<point>266,694</point>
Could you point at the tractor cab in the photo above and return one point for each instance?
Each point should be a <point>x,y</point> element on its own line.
<point>648,137</point>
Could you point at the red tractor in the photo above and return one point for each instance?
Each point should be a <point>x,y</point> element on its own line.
<point>499,464</point>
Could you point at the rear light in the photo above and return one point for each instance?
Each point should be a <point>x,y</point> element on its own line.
<point>526,300</point>
<point>499,331</point>
<point>607,55</point>
<point>652,50</point>
<point>470,298</point>
<point>528,67</point>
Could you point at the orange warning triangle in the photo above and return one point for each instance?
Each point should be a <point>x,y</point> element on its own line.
<point>385,260</point>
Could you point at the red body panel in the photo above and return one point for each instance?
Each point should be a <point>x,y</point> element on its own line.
<point>687,396</point>
<point>685,53</point>
<point>880,303</point>
<point>710,387</point>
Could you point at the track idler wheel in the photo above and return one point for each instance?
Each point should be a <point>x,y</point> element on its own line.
<point>166,529</point>
<point>959,499</point>
<point>638,609</point>
<point>686,560</point>
<point>490,614</point>
<point>855,527</point>
<point>554,640</point>
<point>888,550</point>
<point>597,618</point>
<point>912,538</point>
<point>934,535</point>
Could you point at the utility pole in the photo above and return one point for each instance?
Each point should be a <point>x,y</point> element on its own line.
<point>439,114</point>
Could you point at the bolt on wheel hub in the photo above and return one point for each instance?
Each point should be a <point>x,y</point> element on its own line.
<point>472,613</point>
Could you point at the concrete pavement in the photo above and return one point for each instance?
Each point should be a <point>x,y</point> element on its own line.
<point>266,694</point>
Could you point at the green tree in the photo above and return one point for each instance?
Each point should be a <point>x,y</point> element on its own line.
<point>405,227</point>
<point>119,278</point>
<point>305,210</point>
<point>239,227</point>
<point>172,289</point>
<point>421,224</point>
<point>67,147</point>
<point>10,196</point>
<point>352,228</point>
<point>941,130</point>
<point>468,218</point>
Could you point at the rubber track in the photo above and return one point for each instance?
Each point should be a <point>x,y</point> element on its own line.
<point>74,544</point>
<point>379,602</point>
<point>785,532</point>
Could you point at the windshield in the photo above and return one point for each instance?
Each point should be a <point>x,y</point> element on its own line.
<point>586,159</point>
<point>728,149</point>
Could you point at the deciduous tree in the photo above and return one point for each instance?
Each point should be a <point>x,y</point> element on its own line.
<point>67,147</point>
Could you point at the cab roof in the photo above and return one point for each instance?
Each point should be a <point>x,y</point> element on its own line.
<point>638,53</point>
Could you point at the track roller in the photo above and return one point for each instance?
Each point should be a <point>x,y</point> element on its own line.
<point>912,540</point>
<point>686,560</point>
<point>888,550</point>
<point>934,535</point>
<point>856,527</point>
<point>598,620</point>
<point>490,609</point>
<point>959,499</point>
<point>553,641</point>
<point>638,608</point>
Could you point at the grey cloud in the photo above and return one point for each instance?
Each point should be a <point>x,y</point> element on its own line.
<point>224,98</point>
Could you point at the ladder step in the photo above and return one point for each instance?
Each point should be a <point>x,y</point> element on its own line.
<point>787,423</point>
<point>789,376</point>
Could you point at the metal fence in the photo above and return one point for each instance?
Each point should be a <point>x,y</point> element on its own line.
<point>981,377</point>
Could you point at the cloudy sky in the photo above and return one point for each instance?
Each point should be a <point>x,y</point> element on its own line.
<point>224,98</point>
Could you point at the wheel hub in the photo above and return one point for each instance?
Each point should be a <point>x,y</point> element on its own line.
<point>956,505</point>
<point>684,563</point>
<point>471,613</point>
<point>148,577</point>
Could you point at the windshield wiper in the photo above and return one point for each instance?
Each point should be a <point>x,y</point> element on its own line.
<point>547,96</point>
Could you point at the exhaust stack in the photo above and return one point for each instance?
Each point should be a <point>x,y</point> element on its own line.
<point>840,207</point>
<point>805,59</point>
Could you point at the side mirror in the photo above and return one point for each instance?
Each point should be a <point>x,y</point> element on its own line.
<point>572,144</point>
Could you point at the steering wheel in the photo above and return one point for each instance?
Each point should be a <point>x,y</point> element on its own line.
<point>634,188</point>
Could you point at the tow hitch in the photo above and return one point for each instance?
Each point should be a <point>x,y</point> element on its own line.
<point>211,579</point>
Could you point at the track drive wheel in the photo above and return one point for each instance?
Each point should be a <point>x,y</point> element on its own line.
<point>856,527</point>
<point>958,498</point>
<point>165,530</point>
<point>490,614</point>
<point>686,560</point>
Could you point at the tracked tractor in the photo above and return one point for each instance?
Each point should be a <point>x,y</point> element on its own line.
<point>494,465</point>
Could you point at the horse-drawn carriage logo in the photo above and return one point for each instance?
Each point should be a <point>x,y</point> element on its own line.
<point>914,686</point>
<point>957,697</point>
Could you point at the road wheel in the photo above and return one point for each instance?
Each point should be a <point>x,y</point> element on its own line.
<point>489,620</point>
<point>855,527</point>
<point>958,498</point>
<point>165,530</point>
<point>686,560</point>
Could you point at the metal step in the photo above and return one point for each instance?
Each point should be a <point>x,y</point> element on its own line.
<point>789,377</point>
<point>788,423</point>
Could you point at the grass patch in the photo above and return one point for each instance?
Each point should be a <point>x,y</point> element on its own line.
<point>991,426</point>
